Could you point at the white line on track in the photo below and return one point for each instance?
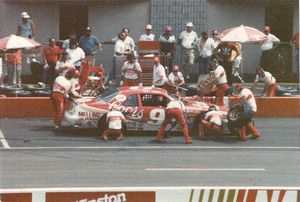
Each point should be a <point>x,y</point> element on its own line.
<point>205,169</point>
<point>3,141</point>
<point>154,147</point>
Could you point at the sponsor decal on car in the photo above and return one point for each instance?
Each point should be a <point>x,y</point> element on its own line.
<point>84,115</point>
<point>133,111</point>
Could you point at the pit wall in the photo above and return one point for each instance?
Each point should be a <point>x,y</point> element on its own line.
<point>30,107</point>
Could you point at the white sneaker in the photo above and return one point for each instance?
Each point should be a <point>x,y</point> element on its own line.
<point>56,127</point>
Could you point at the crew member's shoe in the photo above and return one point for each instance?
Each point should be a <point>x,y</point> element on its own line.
<point>120,137</point>
<point>253,130</point>
<point>189,141</point>
<point>57,127</point>
<point>104,137</point>
<point>242,134</point>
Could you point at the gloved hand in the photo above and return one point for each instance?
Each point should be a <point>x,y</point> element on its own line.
<point>121,83</point>
<point>46,66</point>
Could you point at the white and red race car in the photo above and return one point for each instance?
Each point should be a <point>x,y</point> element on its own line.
<point>143,107</point>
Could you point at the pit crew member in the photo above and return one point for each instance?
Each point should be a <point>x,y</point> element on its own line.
<point>61,88</point>
<point>174,109</point>
<point>64,65</point>
<point>114,119</point>
<point>212,122</point>
<point>75,85</point>
<point>269,81</point>
<point>159,74</point>
<point>247,101</point>
<point>131,72</point>
<point>175,79</point>
<point>219,73</point>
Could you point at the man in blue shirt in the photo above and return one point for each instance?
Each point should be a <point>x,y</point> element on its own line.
<point>26,27</point>
<point>90,44</point>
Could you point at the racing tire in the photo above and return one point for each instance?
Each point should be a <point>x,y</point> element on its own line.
<point>234,117</point>
<point>102,125</point>
<point>33,87</point>
<point>18,93</point>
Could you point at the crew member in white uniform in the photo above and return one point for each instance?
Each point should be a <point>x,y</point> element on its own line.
<point>247,100</point>
<point>159,74</point>
<point>64,65</point>
<point>175,79</point>
<point>219,73</point>
<point>131,72</point>
<point>269,81</point>
<point>61,88</point>
<point>174,109</point>
<point>75,85</point>
<point>212,122</point>
<point>114,119</point>
<point>148,36</point>
<point>76,54</point>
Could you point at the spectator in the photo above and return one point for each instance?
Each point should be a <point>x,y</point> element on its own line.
<point>64,65</point>
<point>26,27</point>
<point>90,44</point>
<point>205,47</point>
<point>131,72</point>
<point>120,50</point>
<point>159,74</point>
<point>238,60</point>
<point>187,40</point>
<point>168,46</point>
<point>212,122</point>
<point>215,36</point>
<point>13,60</point>
<point>3,71</point>
<point>148,36</point>
<point>176,79</point>
<point>248,103</point>
<point>128,40</point>
<point>61,88</point>
<point>269,81</point>
<point>76,54</point>
<point>226,53</point>
<point>51,56</point>
<point>295,41</point>
<point>220,75</point>
<point>114,119</point>
<point>174,109</point>
<point>267,46</point>
<point>66,43</point>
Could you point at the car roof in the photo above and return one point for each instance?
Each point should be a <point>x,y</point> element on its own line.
<point>146,89</point>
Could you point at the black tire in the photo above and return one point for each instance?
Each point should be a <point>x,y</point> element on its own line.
<point>18,93</point>
<point>33,87</point>
<point>102,125</point>
<point>234,117</point>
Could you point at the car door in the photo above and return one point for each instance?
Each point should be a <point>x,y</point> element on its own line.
<point>153,106</point>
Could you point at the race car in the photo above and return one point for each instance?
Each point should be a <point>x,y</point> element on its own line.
<point>143,107</point>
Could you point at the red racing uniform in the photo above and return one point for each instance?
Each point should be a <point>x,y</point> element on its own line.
<point>174,109</point>
<point>114,119</point>
<point>61,88</point>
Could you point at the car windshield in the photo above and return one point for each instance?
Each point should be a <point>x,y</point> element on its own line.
<point>106,97</point>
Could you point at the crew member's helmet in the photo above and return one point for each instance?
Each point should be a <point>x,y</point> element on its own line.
<point>69,74</point>
<point>239,87</point>
<point>77,73</point>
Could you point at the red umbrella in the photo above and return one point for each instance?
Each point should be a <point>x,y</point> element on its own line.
<point>242,34</point>
<point>17,42</point>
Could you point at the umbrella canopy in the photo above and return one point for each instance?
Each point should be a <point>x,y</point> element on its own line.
<point>16,42</point>
<point>242,34</point>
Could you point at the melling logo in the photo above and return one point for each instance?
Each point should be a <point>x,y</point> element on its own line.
<point>112,198</point>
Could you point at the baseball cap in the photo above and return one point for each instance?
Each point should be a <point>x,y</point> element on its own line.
<point>189,24</point>
<point>267,28</point>
<point>148,26</point>
<point>24,15</point>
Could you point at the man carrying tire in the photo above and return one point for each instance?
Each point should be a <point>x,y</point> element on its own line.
<point>247,100</point>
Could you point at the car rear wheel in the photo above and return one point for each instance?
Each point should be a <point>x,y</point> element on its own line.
<point>234,117</point>
<point>102,125</point>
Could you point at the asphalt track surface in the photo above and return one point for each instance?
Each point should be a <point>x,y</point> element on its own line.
<point>33,155</point>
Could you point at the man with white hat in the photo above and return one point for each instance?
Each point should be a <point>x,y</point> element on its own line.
<point>148,36</point>
<point>187,41</point>
<point>26,27</point>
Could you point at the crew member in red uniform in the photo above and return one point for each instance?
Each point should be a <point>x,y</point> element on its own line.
<point>247,100</point>
<point>269,81</point>
<point>114,119</point>
<point>175,79</point>
<point>61,88</point>
<point>174,109</point>
<point>131,72</point>
<point>219,73</point>
<point>212,122</point>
